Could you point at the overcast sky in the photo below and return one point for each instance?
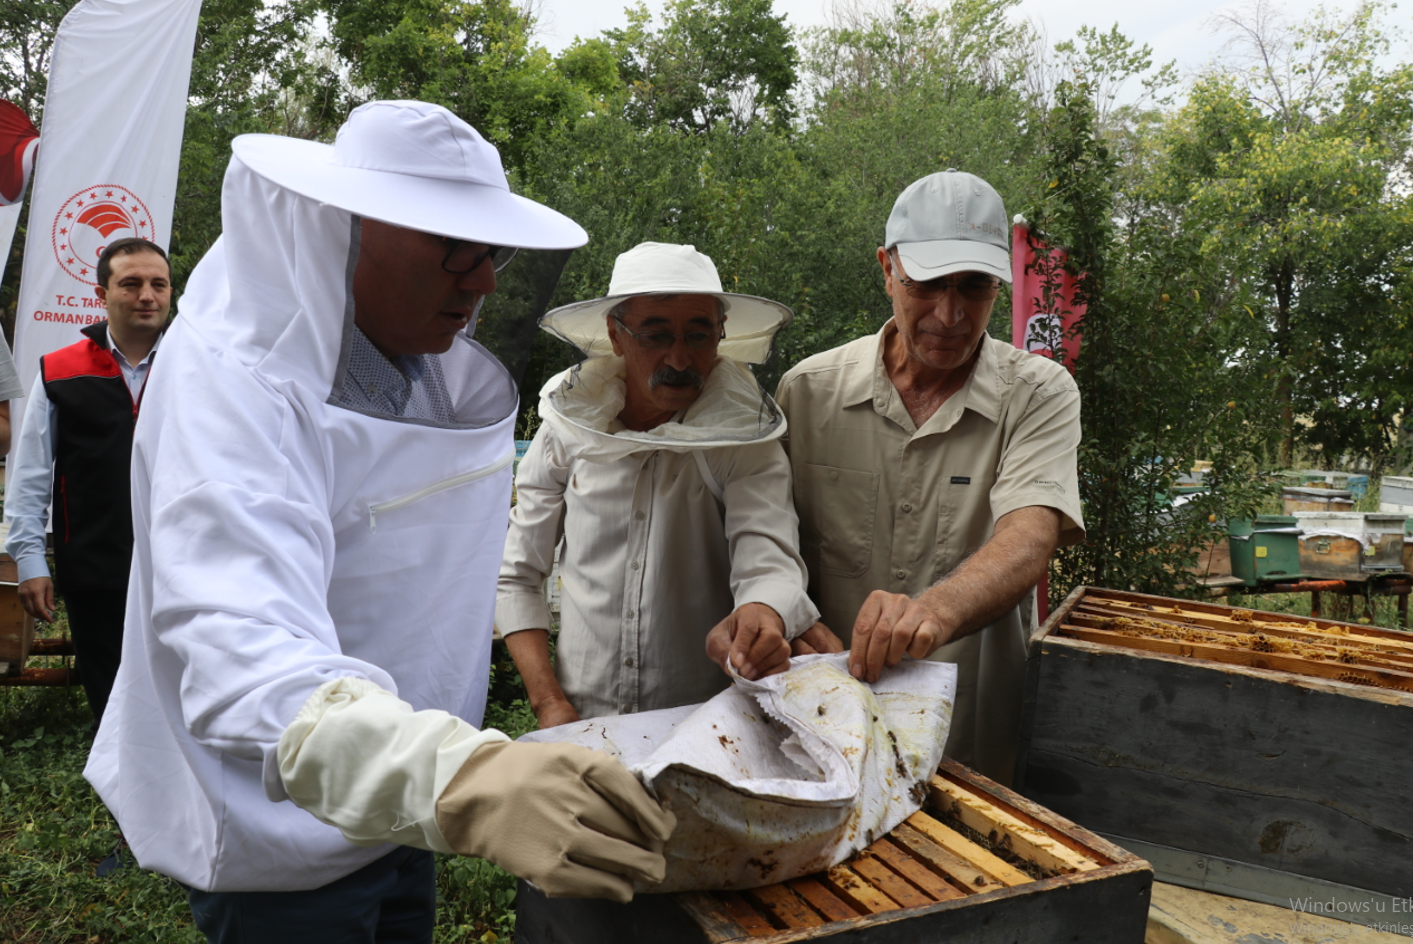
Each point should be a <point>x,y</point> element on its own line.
<point>1175,30</point>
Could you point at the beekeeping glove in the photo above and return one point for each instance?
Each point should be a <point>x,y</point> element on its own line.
<point>571,820</point>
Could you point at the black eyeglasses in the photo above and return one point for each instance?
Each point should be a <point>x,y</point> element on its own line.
<point>973,287</point>
<point>463,257</point>
<point>662,340</point>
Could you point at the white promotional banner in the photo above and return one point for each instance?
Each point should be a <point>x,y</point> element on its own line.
<point>112,128</point>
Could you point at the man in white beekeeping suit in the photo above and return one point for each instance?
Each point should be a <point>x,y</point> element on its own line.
<point>320,482</point>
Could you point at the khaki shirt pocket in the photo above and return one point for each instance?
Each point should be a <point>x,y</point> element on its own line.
<point>837,509</point>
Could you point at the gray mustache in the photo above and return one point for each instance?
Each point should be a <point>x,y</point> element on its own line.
<point>675,378</point>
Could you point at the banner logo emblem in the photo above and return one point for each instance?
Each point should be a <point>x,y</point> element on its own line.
<point>90,220</point>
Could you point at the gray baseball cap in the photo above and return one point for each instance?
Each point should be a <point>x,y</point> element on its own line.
<point>950,222</point>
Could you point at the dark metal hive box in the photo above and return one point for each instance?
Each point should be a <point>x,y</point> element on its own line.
<point>1255,754</point>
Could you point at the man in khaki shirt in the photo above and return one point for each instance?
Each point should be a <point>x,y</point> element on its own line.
<point>934,468</point>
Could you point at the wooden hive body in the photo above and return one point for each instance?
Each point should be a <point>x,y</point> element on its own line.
<point>16,629</point>
<point>979,864</point>
<point>1284,756</point>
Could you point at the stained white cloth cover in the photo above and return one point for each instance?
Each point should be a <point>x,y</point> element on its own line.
<point>775,779</point>
<point>257,573</point>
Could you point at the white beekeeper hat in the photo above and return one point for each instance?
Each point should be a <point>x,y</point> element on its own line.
<point>950,222</point>
<point>669,269</point>
<point>413,165</point>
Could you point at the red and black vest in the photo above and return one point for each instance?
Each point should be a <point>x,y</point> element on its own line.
<point>94,416</point>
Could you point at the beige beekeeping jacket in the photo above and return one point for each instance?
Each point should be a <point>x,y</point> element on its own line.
<point>652,557</point>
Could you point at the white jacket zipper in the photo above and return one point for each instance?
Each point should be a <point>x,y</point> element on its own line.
<point>443,485</point>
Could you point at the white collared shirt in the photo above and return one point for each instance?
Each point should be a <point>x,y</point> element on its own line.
<point>29,485</point>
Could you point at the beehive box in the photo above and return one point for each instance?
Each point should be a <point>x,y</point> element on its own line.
<point>1396,494</point>
<point>1356,484</point>
<point>1295,500</point>
<point>16,630</point>
<point>1271,748</point>
<point>1347,545</point>
<point>978,864</point>
<point>1264,548</point>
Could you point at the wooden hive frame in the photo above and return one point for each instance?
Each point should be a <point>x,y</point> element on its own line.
<point>1256,754</point>
<point>1310,647</point>
<point>977,864</point>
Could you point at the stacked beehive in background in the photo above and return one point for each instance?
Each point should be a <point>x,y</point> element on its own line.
<point>1396,498</point>
<point>1345,545</point>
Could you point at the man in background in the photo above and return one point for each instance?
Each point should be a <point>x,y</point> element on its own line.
<point>75,451</point>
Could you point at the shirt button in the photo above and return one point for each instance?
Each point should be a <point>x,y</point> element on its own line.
<point>639,515</point>
<point>901,574</point>
<point>907,506</point>
<point>626,710</point>
<point>878,403</point>
<point>833,476</point>
<point>634,565</point>
<point>630,614</point>
<point>628,662</point>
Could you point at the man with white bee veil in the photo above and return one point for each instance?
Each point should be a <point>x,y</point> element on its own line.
<point>321,478</point>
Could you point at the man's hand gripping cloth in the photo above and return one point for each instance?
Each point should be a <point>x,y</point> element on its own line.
<point>775,779</point>
<point>569,819</point>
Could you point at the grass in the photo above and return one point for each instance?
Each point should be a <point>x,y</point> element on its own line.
<point>54,831</point>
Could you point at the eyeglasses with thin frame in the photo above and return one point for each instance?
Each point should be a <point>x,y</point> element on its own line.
<point>463,257</point>
<point>662,340</point>
<point>973,287</point>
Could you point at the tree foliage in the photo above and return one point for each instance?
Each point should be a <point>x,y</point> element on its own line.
<point>1295,163</point>
<point>713,62</point>
<point>1158,387</point>
<point>27,30</point>
<point>1248,239</point>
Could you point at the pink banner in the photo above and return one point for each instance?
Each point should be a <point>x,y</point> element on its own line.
<point>1044,316</point>
<point>1043,308</point>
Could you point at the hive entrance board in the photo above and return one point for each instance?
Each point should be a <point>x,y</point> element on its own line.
<point>1309,647</point>
<point>974,847</point>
